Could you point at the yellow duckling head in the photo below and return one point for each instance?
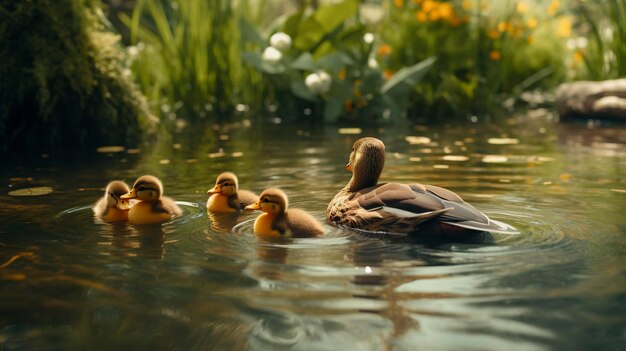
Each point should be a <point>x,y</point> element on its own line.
<point>146,188</point>
<point>273,201</point>
<point>113,194</point>
<point>367,160</point>
<point>226,184</point>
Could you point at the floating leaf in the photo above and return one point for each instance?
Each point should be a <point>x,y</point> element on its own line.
<point>619,190</point>
<point>455,158</point>
<point>502,141</point>
<point>164,162</point>
<point>350,130</point>
<point>495,159</point>
<point>441,166</point>
<point>36,191</point>
<point>110,149</point>
<point>237,154</point>
<point>417,140</point>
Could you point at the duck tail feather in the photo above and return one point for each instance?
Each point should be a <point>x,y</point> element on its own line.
<point>424,216</point>
<point>492,226</point>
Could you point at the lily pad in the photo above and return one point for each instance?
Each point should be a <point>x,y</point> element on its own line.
<point>36,191</point>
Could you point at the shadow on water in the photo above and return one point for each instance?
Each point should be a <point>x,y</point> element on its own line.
<point>205,281</point>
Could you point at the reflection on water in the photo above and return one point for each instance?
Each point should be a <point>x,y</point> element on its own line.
<point>204,281</point>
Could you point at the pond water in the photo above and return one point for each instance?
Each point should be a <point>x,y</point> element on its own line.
<point>205,282</point>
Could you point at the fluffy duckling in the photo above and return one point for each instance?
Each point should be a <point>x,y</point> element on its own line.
<point>226,196</point>
<point>111,208</point>
<point>279,221</point>
<point>152,207</point>
<point>401,208</point>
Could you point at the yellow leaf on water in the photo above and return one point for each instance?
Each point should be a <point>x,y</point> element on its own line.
<point>455,158</point>
<point>495,159</point>
<point>36,191</point>
<point>441,166</point>
<point>164,162</point>
<point>417,140</point>
<point>350,131</point>
<point>502,141</point>
<point>619,190</point>
<point>415,159</point>
<point>110,149</point>
<point>237,154</point>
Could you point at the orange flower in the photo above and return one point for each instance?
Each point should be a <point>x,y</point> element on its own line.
<point>428,5</point>
<point>553,7</point>
<point>578,56</point>
<point>503,26</point>
<point>398,3</point>
<point>384,50</point>
<point>532,23</point>
<point>434,15</point>
<point>521,7</point>
<point>467,4</point>
<point>495,55</point>
<point>387,74</point>
<point>564,28</point>
<point>455,21</point>
<point>421,16</point>
<point>530,39</point>
<point>347,105</point>
<point>342,74</point>
<point>493,34</point>
<point>446,11</point>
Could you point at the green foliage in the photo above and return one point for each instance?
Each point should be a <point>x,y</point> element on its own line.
<point>62,83</point>
<point>190,65</point>
<point>604,23</point>
<point>486,51</point>
<point>329,69</point>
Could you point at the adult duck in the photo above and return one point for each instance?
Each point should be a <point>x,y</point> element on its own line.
<point>110,207</point>
<point>278,220</point>
<point>152,207</point>
<point>401,208</point>
<point>226,196</point>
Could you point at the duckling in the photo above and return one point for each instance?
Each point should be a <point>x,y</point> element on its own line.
<point>279,221</point>
<point>401,208</point>
<point>225,196</point>
<point>110,208</point>
<point>152,207</point>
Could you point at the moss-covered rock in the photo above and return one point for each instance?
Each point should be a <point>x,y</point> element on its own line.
<point>63,85</point>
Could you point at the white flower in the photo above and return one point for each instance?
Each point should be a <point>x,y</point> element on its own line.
<point>372,63</point>
<point>318,82</point>
<point>133,51</point>
<point>280,41</point>
<point>368,38</point>
<point>271,54</point>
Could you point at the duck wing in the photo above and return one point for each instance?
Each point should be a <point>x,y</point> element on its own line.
<point>246,197</point>
<point>465,215</point>
<point>419,203</point>
<point>166,205</point>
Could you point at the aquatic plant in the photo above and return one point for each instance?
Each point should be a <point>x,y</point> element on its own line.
<point>63,85</point>
<point>189,64</point>
<point>488,52</point>
<point>602,45</point>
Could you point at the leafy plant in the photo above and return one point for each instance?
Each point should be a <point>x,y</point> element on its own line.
<point>487,51</point>
<point>330,68</point>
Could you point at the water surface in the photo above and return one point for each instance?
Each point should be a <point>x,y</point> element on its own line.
<point>206,282</point>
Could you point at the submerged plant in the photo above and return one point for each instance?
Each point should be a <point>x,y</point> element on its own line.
<point>63,84</point>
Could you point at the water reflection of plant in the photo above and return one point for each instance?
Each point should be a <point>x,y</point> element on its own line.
<point>487,51</point>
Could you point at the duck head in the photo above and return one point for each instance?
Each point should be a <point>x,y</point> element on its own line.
<point>114,191</point>
<point>272,200</point>
<point>146,188</point>
<point>226,184</point>
<point>367,160</point>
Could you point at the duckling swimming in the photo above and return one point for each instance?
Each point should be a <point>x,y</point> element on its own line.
<point>111,208</point>
<point>226,197</point>
<point>279,221</point>
<point>152,207</point>
<point>401,208</point>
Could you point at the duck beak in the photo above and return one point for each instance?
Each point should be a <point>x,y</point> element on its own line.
<point>349,167</point>
<point>132,194</point>
<point>216,190</point>
<point>254,206</point>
